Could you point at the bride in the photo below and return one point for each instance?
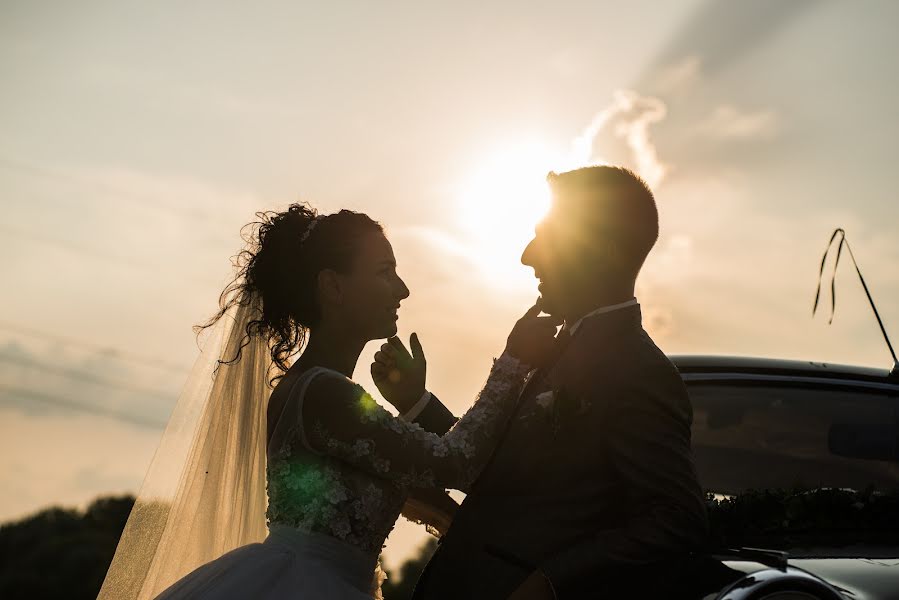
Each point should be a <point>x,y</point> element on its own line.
<point>290,492</point>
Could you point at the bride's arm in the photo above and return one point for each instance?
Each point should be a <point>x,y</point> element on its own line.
<point>342,420</point>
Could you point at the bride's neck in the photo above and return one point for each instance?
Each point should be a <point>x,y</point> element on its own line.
<point>332,348</point>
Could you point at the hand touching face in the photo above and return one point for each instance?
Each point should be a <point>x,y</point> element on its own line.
<point>400,374</point>
<point>532,338</point>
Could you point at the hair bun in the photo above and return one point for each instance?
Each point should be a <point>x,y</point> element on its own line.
<point>272,269</point>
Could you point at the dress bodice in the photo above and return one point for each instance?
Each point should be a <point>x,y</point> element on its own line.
<point>319,493</point>
<point>342,464</point>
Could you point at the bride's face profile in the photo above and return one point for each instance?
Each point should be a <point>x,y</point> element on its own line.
<point>366,298</point>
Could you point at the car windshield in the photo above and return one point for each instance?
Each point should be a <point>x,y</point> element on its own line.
<point>774,437</point>
<point>810,470</point>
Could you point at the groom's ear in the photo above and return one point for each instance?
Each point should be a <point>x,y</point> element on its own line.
<point>330,286</point>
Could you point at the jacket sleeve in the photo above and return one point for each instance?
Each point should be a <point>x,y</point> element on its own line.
<point>646,439</point>
<point>435,417</point>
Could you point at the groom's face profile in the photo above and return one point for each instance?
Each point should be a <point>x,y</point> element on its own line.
<point>601,225</point>
<point>553,256</point>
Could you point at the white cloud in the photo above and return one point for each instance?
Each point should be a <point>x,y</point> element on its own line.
<point>680,77</point>
<point>627,119</point>
<point>727,122</point>
<point>684,82</point>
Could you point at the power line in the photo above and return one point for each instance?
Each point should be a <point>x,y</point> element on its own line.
<point>82,407</point>
<point>116,353</point>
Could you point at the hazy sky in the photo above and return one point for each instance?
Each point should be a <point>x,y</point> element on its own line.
<point>136,139</point>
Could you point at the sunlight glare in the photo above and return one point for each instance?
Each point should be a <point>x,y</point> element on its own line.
<point>502,200</point>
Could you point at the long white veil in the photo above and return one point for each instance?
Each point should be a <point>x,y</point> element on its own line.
<point>205,490</point>
<point>204,493</point>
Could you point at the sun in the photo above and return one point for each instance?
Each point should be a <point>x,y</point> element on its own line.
<point>502,199</point>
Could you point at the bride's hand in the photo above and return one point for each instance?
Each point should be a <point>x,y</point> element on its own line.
<point>532,338</point>
<point>432,507</point>
<point>399,374</point>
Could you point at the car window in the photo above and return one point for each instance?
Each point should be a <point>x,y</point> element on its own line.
<point>763,437</point>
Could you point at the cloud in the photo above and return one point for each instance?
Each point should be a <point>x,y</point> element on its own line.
<point>727,122</point>
<point>725,32</point>
<point>64,381</point>
<point>625,121</point>
<point>683,83</point>
<point>680,76</point>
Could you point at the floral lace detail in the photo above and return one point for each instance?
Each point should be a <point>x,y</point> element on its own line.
<point>351,482</point>
<point>360,432</point>
<point>314,494</point>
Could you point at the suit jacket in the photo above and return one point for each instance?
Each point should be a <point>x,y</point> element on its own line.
<point>594,473</point>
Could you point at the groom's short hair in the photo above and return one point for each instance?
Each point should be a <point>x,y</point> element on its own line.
<point>606,203</point>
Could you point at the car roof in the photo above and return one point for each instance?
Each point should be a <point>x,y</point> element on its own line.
<point>749,366</point>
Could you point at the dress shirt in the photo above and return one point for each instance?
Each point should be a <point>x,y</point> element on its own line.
<point>601,310</point>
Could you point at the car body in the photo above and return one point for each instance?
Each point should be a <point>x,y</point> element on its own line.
<point>780,424</point>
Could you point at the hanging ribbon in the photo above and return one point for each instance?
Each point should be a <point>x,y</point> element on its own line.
<point>841,233</point>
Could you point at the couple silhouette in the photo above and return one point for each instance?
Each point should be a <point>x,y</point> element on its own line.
<point>575,457</point>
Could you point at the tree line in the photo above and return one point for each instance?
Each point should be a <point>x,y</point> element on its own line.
<point>65,553</point>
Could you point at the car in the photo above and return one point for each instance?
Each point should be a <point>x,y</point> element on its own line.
<point>801,458</point>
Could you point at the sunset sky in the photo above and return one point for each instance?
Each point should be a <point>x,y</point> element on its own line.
<point>137,138</point>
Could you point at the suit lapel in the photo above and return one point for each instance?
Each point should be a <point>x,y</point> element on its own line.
<point>532,382</point>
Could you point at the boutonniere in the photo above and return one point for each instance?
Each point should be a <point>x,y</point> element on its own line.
<point>561,406</point>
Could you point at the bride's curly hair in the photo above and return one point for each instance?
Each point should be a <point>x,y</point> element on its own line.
<point>278,270</point>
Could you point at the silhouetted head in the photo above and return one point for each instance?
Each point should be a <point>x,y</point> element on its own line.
<point>601,226</point>
<point>310,271</point>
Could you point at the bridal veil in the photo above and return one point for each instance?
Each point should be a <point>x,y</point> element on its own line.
<point>204,493</point>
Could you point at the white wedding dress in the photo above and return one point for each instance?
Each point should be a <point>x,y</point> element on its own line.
<point>338,472</point>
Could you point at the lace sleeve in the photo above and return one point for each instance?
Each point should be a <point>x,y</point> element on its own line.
<point>342,420</point>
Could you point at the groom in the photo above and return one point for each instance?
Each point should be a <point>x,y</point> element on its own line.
<point>593,484</point>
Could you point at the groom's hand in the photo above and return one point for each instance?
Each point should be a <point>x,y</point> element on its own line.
<point>535,587</point>
<point>399,374</point>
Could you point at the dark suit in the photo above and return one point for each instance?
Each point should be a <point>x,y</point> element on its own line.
<point>594,477</point>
